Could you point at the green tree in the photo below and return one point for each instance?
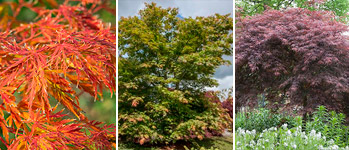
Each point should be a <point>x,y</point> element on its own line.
<point>252,7</point>
<point>165,63</point>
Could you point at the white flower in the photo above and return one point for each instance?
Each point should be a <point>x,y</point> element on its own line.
<point>312,132</point>
<point>238,143</point>
<point>258,143</point>
<point>284,126</point>
<point>253,132</point>
<point>299,128</point>
<point>330,142</point>
<point>241,131</point>
<point>288,132</point>
<point>286,144</point>
<point>272,129</point>
<point>294,146</point>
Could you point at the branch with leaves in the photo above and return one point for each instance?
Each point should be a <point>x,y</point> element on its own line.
<point>43,64</point>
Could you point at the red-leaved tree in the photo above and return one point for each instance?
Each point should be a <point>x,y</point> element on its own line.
<point>295,55</point>
<point>65,50</point>
<point>224,101</point>
<point>228,104</point>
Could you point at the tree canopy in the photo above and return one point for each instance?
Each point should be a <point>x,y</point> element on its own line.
<point>165,63</point>
<point>251,7</point>
<point>297,55</point>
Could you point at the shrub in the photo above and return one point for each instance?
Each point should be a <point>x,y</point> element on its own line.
<point>296,55</point>
<point>330,124</point>
<point>44,64</point>
<point>165,63</point>
<point>261,119</point>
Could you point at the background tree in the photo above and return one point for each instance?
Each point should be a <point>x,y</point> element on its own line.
<point>165,63</point>
<point>294,55</point>
<point>225,99</point>
<point>252,7</point>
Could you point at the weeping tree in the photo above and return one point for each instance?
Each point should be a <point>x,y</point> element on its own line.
<point>297,56</point>
<point>165,63</point>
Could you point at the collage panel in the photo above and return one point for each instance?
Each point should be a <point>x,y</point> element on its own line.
<point>291,74</point>
<point>175,74</point>
<point>58,74</point>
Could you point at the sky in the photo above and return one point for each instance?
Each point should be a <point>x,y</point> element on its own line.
<point>193,8</point>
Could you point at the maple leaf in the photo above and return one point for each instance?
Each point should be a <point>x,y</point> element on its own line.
<point>63,49</point>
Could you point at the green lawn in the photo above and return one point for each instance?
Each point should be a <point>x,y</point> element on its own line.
<point>214,143</point>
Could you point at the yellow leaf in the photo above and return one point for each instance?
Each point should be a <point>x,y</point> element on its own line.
<point>1,8</point>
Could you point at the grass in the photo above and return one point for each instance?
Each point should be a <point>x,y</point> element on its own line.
<point>214,143</point>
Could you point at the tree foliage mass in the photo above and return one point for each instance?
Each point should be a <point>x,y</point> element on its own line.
<point>165,63</point>
<point>46,63</point>
<point>340,8</point>
<point>294,55</point>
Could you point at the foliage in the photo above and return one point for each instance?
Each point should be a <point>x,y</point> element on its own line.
<point>165,63</point>
<point>327,124</point>
<point>252,7</point>
<point>330,124</point>
<point>283,139</point>
<point>225,97</point>
<point>228,104</point>
<point>225,100</point>
<point>294,55</point>
<point>58,55</point>
<point>261,119</point>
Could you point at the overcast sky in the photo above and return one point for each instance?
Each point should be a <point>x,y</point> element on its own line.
<point>224,74</point>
